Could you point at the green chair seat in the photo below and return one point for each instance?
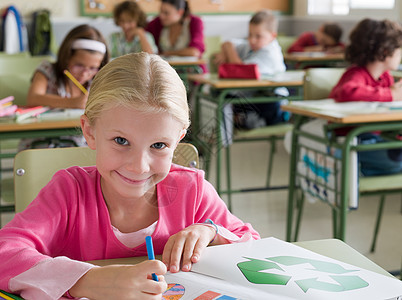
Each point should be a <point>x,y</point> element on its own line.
<point>263,132</point>
<point>380,183</point>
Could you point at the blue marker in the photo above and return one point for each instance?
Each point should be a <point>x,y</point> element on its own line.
<point>151,255</point>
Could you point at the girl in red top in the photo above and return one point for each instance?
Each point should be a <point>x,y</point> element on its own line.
<point>374,50</point>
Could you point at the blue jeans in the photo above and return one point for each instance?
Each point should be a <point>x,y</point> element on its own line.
<point>378,162</point>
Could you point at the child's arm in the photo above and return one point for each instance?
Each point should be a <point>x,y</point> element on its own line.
<point>230,53</point>
<point>37,95</point>
<point>132,281</point>
<point>188,244</point>
<point>145,44</point>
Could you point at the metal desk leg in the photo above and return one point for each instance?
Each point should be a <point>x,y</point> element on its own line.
<point>292,177</point>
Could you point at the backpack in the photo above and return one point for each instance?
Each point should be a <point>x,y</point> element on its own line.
<point>41,34</point>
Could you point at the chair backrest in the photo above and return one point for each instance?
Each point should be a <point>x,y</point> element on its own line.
<point>212,46</point>
<point>34,168</point>
<point>318,82</point>
<point>15,75</point>
<point>285,42</point>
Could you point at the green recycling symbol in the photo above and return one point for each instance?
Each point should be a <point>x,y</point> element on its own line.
<point>252,268</point>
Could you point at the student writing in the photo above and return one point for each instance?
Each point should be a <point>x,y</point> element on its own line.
<point>83,52</point>
<point>136,114</point>
<point>374,50</point>
<point>133,38</point>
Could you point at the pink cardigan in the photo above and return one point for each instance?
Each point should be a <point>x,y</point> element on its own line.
<point>70,218</point>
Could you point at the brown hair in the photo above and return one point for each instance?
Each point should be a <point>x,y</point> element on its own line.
<point>333,30</point>
<point>373,40</point>
<point>133,9</point>
<point>66,52</point>
<point>180,4</point>
<point>267,18</point>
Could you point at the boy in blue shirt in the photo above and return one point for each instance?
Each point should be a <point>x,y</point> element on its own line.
<point>260,48</point>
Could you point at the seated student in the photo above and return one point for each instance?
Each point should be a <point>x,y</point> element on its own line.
<point>326,38</point>
<point>133,38</point>
<point>83,52</point>
<point>262,49</point>
<point>177,31</point>
<point>374,50</point>
<point>136,114</point>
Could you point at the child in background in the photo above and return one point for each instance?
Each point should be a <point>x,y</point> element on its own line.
<point>133,38</point>
<point>83,52</point>
<point>177,31</point>
<point>262,49</point>
<point>374,50</point>
<point>136,114</point>
<point>325,39</point>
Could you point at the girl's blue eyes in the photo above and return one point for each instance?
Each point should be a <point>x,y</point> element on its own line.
<point>121,141</point>
<point>159,146</point>
<point>124,142</point>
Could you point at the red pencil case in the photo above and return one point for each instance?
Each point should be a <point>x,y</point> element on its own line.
<point>249,71</point>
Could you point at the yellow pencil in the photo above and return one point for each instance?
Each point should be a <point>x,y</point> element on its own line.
<point>5,296</point>
<point>75,81</point>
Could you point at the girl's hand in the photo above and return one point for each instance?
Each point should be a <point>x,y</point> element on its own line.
<point>122,282</point>
<point>187,245</point>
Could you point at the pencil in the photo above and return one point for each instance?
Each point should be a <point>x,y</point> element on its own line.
<point>75,81</point>
<point>150,251</point>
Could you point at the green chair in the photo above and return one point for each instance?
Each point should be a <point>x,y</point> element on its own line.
<point>14,64</point>
<point>212,46</point>
<point>285,42</point>
<point>318,83</point>
<point>34,168</point>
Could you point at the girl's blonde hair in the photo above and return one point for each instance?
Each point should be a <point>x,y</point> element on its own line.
<point>141,81</point>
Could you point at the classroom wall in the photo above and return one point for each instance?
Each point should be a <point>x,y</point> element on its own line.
<point>66,15</point>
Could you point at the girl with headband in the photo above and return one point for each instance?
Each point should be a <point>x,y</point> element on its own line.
<point>82,53</point>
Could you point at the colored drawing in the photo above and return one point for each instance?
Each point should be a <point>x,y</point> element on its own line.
<point>210,295</point>
<point>174,291</point>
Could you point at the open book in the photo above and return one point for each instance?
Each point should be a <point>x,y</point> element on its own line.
<point>274,269</point>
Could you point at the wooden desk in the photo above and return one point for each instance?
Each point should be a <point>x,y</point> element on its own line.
<point>384,120</point>
<point>217,96</point>
<point>34,128</point>
<point>332,248</point>
<point>304,59</point>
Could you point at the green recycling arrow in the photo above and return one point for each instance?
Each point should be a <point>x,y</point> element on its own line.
<point>251,270</point>
<point>346,283</point>
<point>321,266</point>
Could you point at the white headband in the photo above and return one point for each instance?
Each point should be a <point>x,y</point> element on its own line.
<point>89,45</point>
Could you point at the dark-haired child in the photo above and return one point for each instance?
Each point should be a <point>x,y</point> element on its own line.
<point>374,50</point>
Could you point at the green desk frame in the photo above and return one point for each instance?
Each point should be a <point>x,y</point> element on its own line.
<point>218,95</point>
<point>339,212</point>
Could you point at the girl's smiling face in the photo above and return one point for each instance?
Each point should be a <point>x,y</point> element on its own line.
<point>134,150</point>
